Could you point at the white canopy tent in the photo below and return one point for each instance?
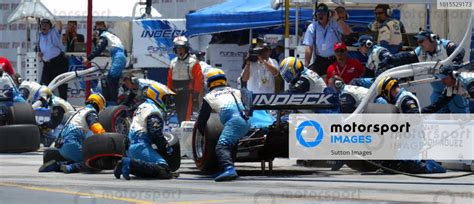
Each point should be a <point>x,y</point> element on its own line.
<point>121,12</point>
<point>30,8</point>
<point>103,10</point>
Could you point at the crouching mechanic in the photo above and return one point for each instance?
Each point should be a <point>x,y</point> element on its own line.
<point>147,129</point>
<point>41,97</point>
<point>349,96</point>
<point>73,134</point>
<point>300,79</point>
<point>455,85</point>
<point>227,103</point>
<point>117,53</point>
<point>406,102</point>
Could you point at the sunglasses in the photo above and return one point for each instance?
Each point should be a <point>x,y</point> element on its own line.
<point>340,51</point>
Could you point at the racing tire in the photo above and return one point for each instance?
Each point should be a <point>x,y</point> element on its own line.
<point>204,147</point>
<point>19,138</point>
<point>361,166</point>
<point>103,151</point>
<point>174,160</point>
<point>22,113</point>
<point>52,154</point>
<point>115,119</point>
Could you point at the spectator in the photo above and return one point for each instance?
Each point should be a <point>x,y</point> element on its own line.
<point>344,67</point>
<point>279,51</point>
<point>259,74</point>
<point>389,30</point>
<point>51,50</point>
<point>321,35</point>
<point>71,37</point>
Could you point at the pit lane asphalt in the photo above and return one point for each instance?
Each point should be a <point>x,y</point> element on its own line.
<point>20,182</point>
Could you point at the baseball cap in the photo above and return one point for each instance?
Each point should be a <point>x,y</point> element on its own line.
<point>322,8</point>
<point>340,45</point>
<point>423,34</point>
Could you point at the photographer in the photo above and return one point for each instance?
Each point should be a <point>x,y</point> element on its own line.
<point>260,70</point>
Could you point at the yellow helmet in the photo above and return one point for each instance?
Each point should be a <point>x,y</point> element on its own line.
<point>161,95</point>
<point>385,87</point>
<point>216,77</point>
<point>290,67</point>
<point>97,99</point>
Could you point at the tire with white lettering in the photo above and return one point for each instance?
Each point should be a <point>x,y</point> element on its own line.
<point>19,138</point>
<point>204,146</point>
<point>362,166</point>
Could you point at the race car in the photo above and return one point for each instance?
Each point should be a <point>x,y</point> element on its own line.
<point>263,142</point>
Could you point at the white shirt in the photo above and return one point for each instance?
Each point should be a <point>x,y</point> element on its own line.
<point>323,39</point>
<point>50,44</point>
<point>261,80</point>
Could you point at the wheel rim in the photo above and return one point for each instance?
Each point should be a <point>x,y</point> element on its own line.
<point>122,124</point>
<point>199,144</point>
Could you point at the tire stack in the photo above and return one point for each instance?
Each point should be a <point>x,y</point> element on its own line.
<point>22,135</point>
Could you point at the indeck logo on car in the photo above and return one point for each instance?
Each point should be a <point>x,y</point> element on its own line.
<point>292,99</point>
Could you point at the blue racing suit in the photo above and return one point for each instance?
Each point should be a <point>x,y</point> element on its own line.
<point>406,102</point>
<point>307,81</point>
<point>457,96</point>
<point>227,102</point>
<point>443,50</point>
<point>377,61</point>
<point>74,132</point>
<point>147,129</point>
<point>119,60</point>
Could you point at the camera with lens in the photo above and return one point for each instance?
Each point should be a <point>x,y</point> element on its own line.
<point>254,53</point>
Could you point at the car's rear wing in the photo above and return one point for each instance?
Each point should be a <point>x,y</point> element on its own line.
<point>287,101</point>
